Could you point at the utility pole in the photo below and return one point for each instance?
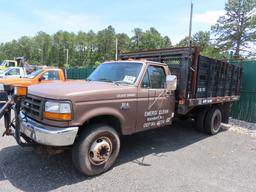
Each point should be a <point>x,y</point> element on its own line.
<point>190,30</point>
<point>116,57</point>
<point>40,51</point>
<point>66,50</point>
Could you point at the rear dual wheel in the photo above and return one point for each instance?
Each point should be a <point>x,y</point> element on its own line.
<point>209,120</point>
<point>96,149</point>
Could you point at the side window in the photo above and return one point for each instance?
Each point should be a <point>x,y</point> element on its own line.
<point>145,83</point>
<point>51,75</point>
<point>11,64</point>
<point>13,72</point>
<point>157,77</point>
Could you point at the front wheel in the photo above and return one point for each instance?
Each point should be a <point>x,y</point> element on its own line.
<point>96,149</point>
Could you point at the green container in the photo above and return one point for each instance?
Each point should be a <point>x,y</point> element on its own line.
<point>79,72</point>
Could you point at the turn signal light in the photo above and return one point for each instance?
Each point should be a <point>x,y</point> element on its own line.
<point>58,116</point>
<point>20,91</point>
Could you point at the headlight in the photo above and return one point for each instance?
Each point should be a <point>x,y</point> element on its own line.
<point>57,107</point>
<point>57,110</point>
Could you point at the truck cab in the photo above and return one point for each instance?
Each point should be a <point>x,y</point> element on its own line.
<point>118,98</point>
<point>151,104</point>
<point>44,75</point>
<point>8,63</point>
<point>13,72</point>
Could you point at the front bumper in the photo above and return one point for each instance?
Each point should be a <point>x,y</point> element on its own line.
<point>47,135</point>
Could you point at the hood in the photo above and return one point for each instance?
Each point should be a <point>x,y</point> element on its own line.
<point>82,91</point>
<point>14,80</point>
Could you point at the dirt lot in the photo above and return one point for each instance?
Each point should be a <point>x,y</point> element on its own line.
<point>177,158</point>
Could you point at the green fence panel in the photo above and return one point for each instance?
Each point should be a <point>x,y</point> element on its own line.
<point>245,108</point>
<point>79,72</point>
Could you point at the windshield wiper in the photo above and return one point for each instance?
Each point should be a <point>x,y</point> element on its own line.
<point>105,80</point>
<point>122,82</point>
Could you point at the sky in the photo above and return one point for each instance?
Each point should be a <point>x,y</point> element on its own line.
<point>169,17</point>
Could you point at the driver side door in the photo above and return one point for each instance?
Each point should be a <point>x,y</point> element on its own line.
<point>49,76</point>
<point>13,73</point>
<point>153,109</point>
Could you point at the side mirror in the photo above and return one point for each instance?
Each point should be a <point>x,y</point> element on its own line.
<point>171,82</point>
<point>41,78</point>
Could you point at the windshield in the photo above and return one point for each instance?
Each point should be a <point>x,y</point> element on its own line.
<point>5,71</point>
<point>34,74</point>
<point>119,72</point>
<point>11,71</point>
<point>3,63</point>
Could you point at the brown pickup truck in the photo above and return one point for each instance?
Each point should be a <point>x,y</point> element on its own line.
<point>124,97</point>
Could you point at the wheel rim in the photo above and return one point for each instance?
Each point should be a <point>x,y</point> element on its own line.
<point>100,150</point>
<point>216,122</point>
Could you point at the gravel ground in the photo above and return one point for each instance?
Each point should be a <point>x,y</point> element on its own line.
<point>176,159</point>
<point>243,127</point>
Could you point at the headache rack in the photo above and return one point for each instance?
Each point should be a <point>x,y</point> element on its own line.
<point>201,80</point>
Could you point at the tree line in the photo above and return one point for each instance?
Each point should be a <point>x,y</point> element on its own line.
<point>235,31</point>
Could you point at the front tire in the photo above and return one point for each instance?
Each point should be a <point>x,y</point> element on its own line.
<point>96,149</point>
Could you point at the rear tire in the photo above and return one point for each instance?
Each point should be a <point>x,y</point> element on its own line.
<point>96,149</point>
<point>200,119</point>
<point>213,121</point>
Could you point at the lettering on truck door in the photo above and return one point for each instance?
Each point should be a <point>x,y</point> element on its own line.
<point>153,100</point>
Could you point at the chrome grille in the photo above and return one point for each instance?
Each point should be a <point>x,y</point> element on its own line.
<point>32,106</point>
